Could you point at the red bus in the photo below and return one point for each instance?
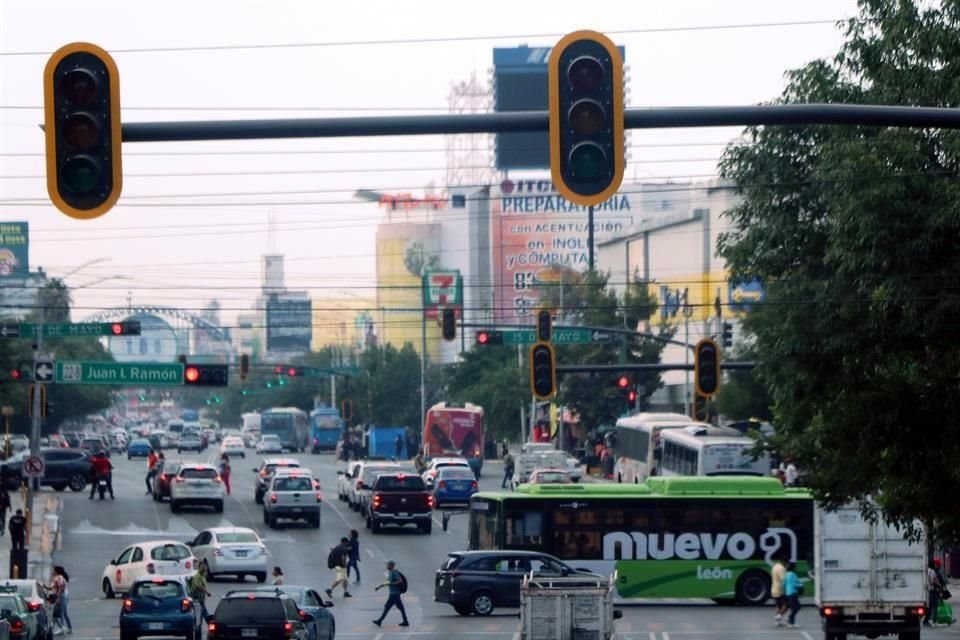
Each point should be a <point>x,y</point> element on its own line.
<point>455,430</point>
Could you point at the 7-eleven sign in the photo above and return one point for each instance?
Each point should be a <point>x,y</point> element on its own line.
<point>442,289</point>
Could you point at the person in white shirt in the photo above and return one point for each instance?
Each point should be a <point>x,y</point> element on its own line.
<point>790,474</point>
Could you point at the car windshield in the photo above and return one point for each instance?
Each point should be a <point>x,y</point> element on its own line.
<point>23,588</point>
<point>553,476</point>
<point>456,473</point>
<point>292,484</point>
<point>237,536</point>
<point>249,609</point>
<point>157,589</point>
<point>192,473</point>
<point>400,483</point>
<point>140,443</point>
<point>271,467</point>
<point>170,552</point>
<point>270,438</point>
<point>9,602</point>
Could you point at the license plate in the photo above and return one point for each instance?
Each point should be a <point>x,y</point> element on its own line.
<point>296,509</point>
<point>155,626</point>
<point>403,514</point>
<point>240,554</point>
<point>248,633</point>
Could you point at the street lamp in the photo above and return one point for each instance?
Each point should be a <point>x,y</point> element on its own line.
<point>84,266</point>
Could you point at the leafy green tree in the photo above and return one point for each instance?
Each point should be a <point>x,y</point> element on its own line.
<point>742,395</point>
<point>489,376</point>
<point>589,302</point>
<point>854,231</point>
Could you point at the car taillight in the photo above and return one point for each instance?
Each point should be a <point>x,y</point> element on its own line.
<point>830,612</point>
<point>151,568</point>
<point>376,502</point>
<point>273,498</point>
<point>34,606</point>
<point>359,484</point>
<point>441,485</point>
<point>186,604</point>
<point>430,501</point>
<point>319,497</point>
<point>164,476</point>
<point>917,611</point>
<point>211,629</point>
<point>303,615</point>
<point>128,605</point>
<point>474,485</point>
<point>187,565</point>
<point>179,480</point>
<point>287,629</point>
<point>264,474</point>
<point>218,479</point>
<point>16,626</point>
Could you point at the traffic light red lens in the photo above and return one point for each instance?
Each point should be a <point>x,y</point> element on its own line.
<point>79,87</point>
<point>15,374</point>
<point>191,374</point>
<point>585,74</point>
<point>81,174</point>
<point>80,131</point>
<point>588,162</point>
<point>116,328</point>
<point>291,372</point>
<point>623,382</point>
<point>483,338</point>
<point>587,117</point>
<point>278,369</point>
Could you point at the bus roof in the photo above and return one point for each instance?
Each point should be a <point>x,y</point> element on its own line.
<point>454,406</point>
<point>284,410</point>
<point>699,439</point>
<point>657,487</point>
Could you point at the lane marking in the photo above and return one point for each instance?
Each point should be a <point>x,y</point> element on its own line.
<point>806,635</point>
<point>516,635</point>
<point>378,636</point>
<point>371,553</point>
<point>666,636</point>
<point>653,636</point>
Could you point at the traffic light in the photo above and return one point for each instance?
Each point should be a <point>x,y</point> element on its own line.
<point>127,328</point>
<point>543,373</point>
<point>43,400</point>
<point>706,367</point>
<point>623,382</point>
<point>346,410</point>
<point>205,375</point>
<point>632,397</point>
<point>544,326</point>
<point>244,366</point>
<point>488,336</point>
<point>449,322</point>
<point>81,101</point>
<point>586,117</point>
<point>698,408</point>
<point>727,335</point>
<point>293,372</point>
<point>244,392</point>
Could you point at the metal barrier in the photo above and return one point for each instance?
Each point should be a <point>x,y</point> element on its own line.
<point>574,607</point>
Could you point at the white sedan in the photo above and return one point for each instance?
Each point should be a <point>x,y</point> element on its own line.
<point>430,475</point>
<point>158,557</point>
<point>233,446</point>
<point>232,550</point>
<point>270,444</point>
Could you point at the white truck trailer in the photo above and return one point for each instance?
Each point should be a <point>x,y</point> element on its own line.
<point>869,579</point>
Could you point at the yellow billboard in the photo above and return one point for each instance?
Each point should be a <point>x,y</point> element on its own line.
<point>700,294</point>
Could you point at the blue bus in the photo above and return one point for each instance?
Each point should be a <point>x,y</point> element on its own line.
<point>287,423</point>
<point>190,415</point>
<point>326,427</point>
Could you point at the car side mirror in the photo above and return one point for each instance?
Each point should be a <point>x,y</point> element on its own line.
<point>189,543</point>
<point>340,473</point>
<point>327,604</point>
<point>254,470</point>
<point>617,614</point>
<point>113,562</point>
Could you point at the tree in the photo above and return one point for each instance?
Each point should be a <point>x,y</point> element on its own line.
<point>589,302</point>
<point>855,232</point>
<point>489,376</point>
<point>743,395</point>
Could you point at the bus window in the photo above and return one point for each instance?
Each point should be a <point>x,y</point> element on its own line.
<point>576,534</point>
<point>524,529</point>
<point>483,531</point>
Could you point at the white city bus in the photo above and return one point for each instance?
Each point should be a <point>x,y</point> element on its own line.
<point>699,450</point>
<point>635,440</point>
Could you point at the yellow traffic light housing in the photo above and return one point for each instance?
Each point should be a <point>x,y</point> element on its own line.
<point>543,371</point>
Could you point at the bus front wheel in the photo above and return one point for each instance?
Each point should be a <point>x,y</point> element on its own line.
<point>753,588</point>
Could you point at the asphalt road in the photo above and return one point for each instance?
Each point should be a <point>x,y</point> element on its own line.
<point>93,532</point>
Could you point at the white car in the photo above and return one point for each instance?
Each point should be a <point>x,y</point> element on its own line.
<point>231,550</point>
<point>233,446</point>
<point>344,478</point>
<point>197,484</point>
<point>355,489</point>
<point>293,494</point>
<point>157,557</point>
<point>270,444</point>
<point>430,475</point>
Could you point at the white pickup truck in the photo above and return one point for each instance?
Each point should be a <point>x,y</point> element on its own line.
<point>869,579</point>
<point>542,455</point>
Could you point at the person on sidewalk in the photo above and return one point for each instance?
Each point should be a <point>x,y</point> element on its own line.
<point>59,587</point>
<point>18,530</point>
<point>395,584</point>
<point>353,557</point>
<point>338,560</point>
<point>4,507</point>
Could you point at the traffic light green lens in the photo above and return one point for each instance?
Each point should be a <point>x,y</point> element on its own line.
<point>585,74</point>
<point>588,162</point>
<point>81,174</point>
<point>79,87</point>
<point>587,118</point>
<point>80,131</point>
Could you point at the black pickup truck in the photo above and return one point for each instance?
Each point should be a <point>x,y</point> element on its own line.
<point>399,498</point>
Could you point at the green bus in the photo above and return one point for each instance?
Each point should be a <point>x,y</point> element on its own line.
<point>670,537</point>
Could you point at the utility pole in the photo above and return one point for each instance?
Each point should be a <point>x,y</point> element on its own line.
<point>687,312</point>
<point>36,417</point>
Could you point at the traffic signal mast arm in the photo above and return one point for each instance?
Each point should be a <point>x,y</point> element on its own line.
<point>659,366</point>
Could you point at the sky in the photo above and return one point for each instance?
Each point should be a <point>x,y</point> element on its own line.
<point>334,59</point>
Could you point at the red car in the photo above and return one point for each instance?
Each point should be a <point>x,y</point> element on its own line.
<point>161,482</point>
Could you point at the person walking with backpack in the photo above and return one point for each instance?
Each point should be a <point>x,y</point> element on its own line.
<point>396,584</point>
<point>338,560</point>
<point>59,589</point>
<point>354,554</point>
<point>793,589</point>
<point>507,472</point>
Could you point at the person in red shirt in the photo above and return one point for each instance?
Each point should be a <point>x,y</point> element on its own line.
<point>102,468</point>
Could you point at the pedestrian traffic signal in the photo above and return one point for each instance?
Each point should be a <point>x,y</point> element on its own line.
<point>544,326</point>
<point>449,322</point>
<point>244,366</point>
<point>346,410</point>
<point>486,336</point>
<point>205,375</point>
<point>81,101</point>
<point>127,328</point>
<point>706,367</point>
<point>727,335</point>
<point>586,117</point>
<point>632,396</point>
<point>543,373</point>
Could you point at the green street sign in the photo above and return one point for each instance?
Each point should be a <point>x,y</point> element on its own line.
<point>129,373</point>
<point>560,336</point>
<point>72,330</point>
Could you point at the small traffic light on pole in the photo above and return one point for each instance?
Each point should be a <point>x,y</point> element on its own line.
<point>244,366</point>
<point>544,326</point>
<point>698,408</point>
<point>727,335</point>
<point>81,101</point>
<point>205,375</point>
<point>126,328</point>
<point>346,410</point>
<point>706,367</point>
<point>487,336</point>
<point>586,117</point>
<point>543,372</point>
<point>449,321</point>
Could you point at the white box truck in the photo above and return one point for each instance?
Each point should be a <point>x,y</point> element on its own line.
<point>869,579</point>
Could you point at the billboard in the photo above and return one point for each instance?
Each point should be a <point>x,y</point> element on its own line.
<point>14,249</point>
<point>289,325</point>
<point>540,238</point>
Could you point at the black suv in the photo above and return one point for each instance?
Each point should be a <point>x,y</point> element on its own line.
<point>480,581</point>
<point>258,614</point>
<point>62,468</point>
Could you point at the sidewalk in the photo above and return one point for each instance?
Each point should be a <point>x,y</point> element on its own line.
<point>44,533</point>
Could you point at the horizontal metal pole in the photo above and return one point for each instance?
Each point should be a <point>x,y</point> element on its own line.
<point>617,368</point>
<point>514,121</point>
